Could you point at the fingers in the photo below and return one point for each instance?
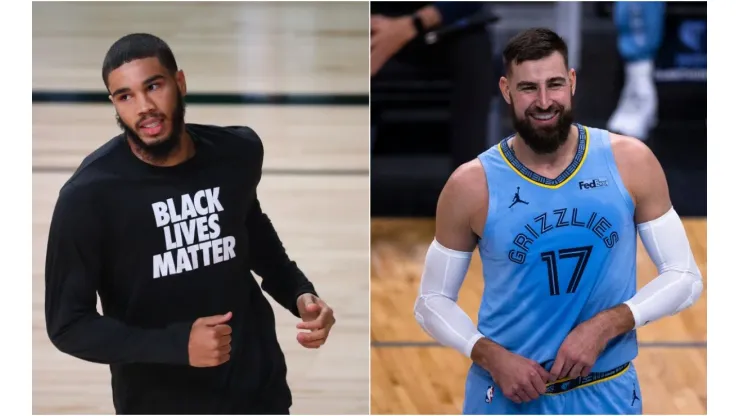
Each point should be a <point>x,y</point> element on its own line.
<point>580,369</point>
<point>224,350</point>
<point>562,365</point>
<point>210,341</point>
<point>317,324</point>
<point>312,325</point>
<point>538,383</point>
<point>573,369</point>
<point>516,398</point>
<point>325,319</point>
<point>566,370</point>
<point>557,367</point>
<point>313,308</point>
<point>215,358</point>
<point>221,354</point>
<point>319,327</point>
<point>222,330</point>
<point>223,359</point>
<point>312,339</point>
<point>575,372</point>
<point>307,299</point>
<point>214,320</point>
<point>225,340</point>
<point>545,376</point>
<point>312,336</point>
<point>528,392</point>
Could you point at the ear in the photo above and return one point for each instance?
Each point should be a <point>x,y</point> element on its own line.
<point>572,76</point>
<point>181,84</point>
<point>503,85</point>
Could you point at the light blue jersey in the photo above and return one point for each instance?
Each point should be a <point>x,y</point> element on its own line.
<point>556,252</point>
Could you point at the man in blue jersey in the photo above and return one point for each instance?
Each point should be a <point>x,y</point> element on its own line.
<point>554,211</point>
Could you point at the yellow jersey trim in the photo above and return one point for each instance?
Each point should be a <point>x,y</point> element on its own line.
<point>564,181</point>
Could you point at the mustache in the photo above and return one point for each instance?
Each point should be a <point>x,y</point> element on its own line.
<point>550,109</point>
<point>148,116</point>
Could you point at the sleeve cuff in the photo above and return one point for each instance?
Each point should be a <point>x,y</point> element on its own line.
<point>294,307</point>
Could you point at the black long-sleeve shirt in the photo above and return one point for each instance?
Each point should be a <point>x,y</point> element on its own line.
<point>163,246</point>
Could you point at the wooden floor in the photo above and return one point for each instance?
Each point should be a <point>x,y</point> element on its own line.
<point>289,47</point>
<point>412,376</point>
<point>321,217</point>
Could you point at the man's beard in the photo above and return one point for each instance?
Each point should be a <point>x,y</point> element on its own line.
<point>543,140</point>
<point>159,151</point>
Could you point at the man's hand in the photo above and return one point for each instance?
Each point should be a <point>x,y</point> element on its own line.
<point>317,317</point>
<point>210,341</point>
<point>520,379</point>
<point>388,36</point>
<point>582,346</point>
<point>579,351</point>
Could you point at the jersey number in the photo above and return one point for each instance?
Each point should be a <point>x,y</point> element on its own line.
<point>549,257</point>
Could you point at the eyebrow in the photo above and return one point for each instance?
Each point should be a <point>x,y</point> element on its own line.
<point>146,81</point>
<point>549,81</point>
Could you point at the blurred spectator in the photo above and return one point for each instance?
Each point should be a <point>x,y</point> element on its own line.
<point>639,35</point>
<point>398,52</point>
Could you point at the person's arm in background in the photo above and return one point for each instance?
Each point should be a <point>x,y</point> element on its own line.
<point>391,34</point>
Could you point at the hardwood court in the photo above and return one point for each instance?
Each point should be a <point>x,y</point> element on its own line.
<point>411,377</point>
<point>315,187</point>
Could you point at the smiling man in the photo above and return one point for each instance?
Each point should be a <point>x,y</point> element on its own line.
<point>163,222</point>
<point>554,211</point>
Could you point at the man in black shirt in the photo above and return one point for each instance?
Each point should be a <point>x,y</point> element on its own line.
<point>164,223</point>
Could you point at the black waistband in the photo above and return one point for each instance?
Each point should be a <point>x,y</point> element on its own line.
<point>562,386</point>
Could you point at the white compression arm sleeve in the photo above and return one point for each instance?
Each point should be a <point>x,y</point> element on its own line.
<point>679,283</point>
<point>436,306</point>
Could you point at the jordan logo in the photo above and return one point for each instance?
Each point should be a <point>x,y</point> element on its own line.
<point>634,395</point>
<point>517,199</point>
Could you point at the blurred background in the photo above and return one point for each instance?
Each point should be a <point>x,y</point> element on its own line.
<point>294,72</point>
<point>641,69</point>
<point>437,106</point>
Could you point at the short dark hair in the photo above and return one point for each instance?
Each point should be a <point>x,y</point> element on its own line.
<point>533,44</point>
<point>137,46</point>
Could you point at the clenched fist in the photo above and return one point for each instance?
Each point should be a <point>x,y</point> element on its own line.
<point>210,341</point>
